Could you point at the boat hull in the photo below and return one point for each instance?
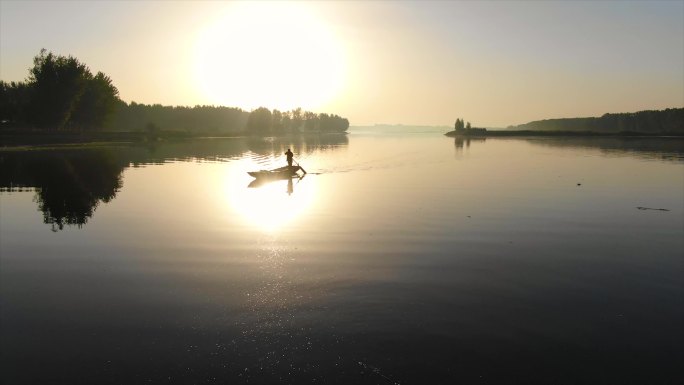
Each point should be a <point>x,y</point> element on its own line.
<point>278,173</point>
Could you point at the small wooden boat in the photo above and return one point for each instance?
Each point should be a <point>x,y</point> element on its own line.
<point>278,173</point>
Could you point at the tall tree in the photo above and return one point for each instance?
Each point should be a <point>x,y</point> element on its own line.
<point>259,121</point>
<point>310,121</point>
<point>98,101</point>
<point>57,84</point>
<point>297,119</point>
<point>65,94</point>
<point>277,121</point>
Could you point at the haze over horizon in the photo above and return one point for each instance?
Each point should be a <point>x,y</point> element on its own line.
<point>415,63</point>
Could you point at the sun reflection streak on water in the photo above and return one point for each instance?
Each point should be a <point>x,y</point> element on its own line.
<point>270,206</point>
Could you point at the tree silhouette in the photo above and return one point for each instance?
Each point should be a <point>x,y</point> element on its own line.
<point>14,101</point>
<point>60,93</point>
<point>98,101</point>
<point>297,119</point>
<point>57,84</point>
<point>260,121</point>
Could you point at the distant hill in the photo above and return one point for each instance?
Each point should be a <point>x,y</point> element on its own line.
<point>666,122</point>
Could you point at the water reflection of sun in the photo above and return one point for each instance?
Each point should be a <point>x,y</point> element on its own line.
<point>271,206</point>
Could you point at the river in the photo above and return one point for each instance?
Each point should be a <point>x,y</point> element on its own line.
<point>400,257</point>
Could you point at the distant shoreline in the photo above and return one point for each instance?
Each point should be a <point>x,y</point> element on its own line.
<point>533,133</point>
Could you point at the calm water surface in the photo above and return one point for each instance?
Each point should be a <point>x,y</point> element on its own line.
<point>405,258</point>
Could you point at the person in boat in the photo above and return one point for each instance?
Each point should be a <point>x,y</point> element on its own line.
<point>289,156</point>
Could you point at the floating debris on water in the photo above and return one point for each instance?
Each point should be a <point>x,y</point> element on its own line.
<point>650,208</point>
<point>376,370</point>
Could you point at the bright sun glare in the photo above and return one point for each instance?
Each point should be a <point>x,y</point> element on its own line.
<point>275,55</point>
<point>269,207</point>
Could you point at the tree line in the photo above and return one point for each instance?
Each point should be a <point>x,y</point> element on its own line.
<point>664,122</point>
<point>264,121</point>
<point>217,120</point>
<point>62,94</point>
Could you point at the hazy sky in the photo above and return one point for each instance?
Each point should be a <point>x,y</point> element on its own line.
<point>493,63</point>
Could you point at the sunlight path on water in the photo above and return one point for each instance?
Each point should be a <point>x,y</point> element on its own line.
<point>270,206</point>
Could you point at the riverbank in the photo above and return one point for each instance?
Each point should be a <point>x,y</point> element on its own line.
<point>532,133</point>
<point>14,139</point>
<point>39,137</point>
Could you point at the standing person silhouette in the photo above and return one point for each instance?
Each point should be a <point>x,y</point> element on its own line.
<point>289,155</point>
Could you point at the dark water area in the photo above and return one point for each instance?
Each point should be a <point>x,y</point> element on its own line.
<point>406,258</point>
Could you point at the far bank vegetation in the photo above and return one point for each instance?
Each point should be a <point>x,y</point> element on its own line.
<point>62,95</point>
<point>668,122</point>
<point>659,122</point>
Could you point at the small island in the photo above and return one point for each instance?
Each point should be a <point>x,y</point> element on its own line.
<point>668,122</point>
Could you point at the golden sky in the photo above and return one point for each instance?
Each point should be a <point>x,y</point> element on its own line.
<point>493,63</point>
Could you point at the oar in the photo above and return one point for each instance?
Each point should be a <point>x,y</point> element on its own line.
<point>299,166</point>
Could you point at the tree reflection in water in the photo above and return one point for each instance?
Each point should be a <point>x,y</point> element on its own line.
<point>69,185</point>
<point>656,148</point>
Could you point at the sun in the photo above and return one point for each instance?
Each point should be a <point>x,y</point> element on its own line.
<point>276,55</point>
